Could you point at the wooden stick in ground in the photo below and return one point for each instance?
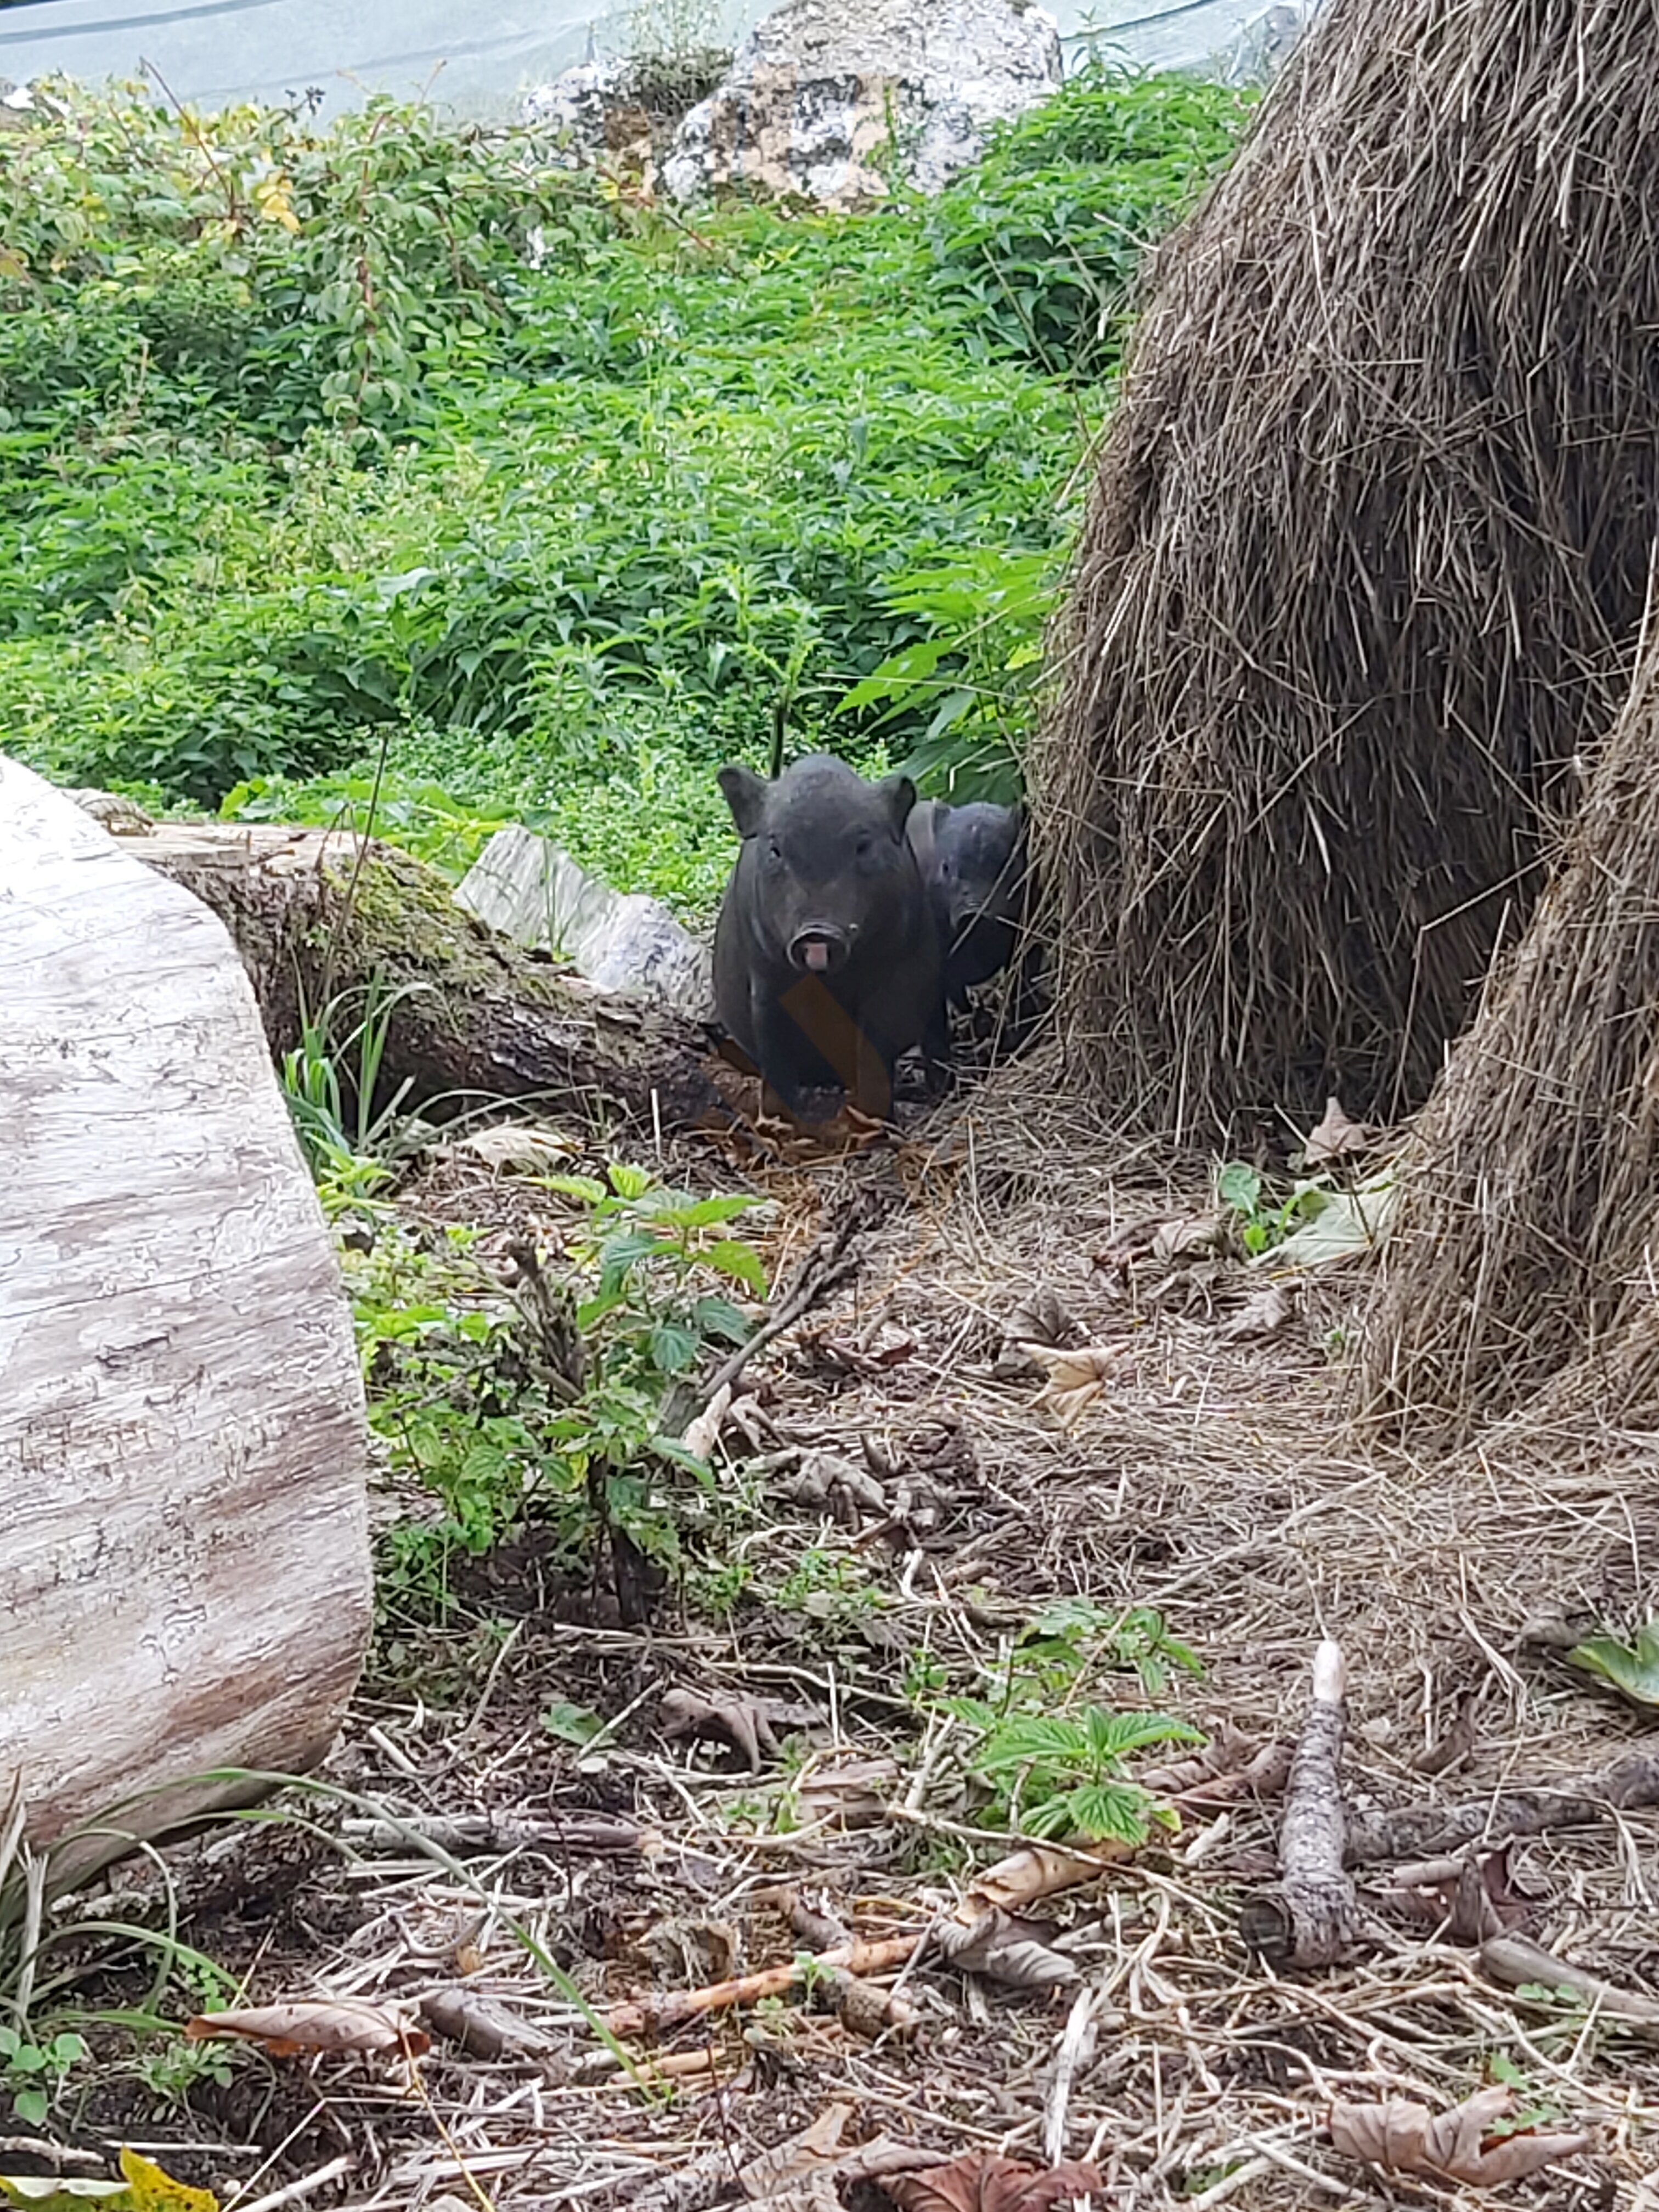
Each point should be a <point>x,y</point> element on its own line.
<point>1310,1919</point>
<point>656,2015</point>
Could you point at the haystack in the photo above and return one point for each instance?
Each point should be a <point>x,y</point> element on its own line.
<point>1365,561</point>
<point>1521,1282</point>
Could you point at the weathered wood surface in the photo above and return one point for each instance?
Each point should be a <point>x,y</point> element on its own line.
<point>184,1579</point>
<point>313,913</point>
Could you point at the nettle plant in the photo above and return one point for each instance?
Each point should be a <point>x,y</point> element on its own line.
<point>552,1400</point>
<point>1052,1773</point>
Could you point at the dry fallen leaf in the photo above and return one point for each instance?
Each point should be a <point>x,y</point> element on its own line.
<point>890,1348</point>
<point>1018,1953</point>
<point>1403,2137</point>
<point>844,1490</point>
<point>1040,1319</point>
<point>850,1793</point>
<point>316,2024</point>
<point>1192,1237</point>
<point>703,1434</point>
<point>1262,1315</point>
<point>984,2181</point>
<point>750,1724</point>
<point>524,1145</point>
<point>1076,1377</point>
<point>1337,1138</point>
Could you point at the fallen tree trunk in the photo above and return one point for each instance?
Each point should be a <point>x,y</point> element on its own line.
<point>315,914</point>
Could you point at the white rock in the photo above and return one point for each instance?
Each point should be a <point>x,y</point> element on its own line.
<point>531,890</point>
<point>826,97</point>
<point>577,104</point>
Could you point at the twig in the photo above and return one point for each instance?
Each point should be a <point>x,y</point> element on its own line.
<point>1515,1962</point>
<point>653,2016</point>
<point>825,1266</point>
<point>1414,1832</point>
<point>1074,2045</point>
<point>306,2185</point>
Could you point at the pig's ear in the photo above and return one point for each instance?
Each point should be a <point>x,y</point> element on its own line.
<point>900,795</point>
<point>745,794</point>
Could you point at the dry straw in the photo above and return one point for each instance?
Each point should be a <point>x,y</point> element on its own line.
<point>1365,561</point>
<point>1520,1282</point>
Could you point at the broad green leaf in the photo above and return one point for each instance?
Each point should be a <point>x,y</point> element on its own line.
<point>673,1347</point>
<point>570,1723</point>
<point>629,1181</point>
<point>621,1253</point>
<point>569,1186</point>
<point>707,1212</point>
<point>731,1256</point>
<point>719,1317</point>
<point>1109,1810</point>
<point>1239,1186</point>
<point>1632,1669</point>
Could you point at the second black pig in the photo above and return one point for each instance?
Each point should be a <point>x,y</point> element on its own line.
<point>827,960</point>
<point>973,864</point>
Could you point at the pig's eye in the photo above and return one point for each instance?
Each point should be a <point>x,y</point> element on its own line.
<point>866,847</point>
<point>774,852</point>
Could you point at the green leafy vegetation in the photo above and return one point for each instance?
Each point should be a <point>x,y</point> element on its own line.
<point>33,2074</point>
<point>1051,1764</point>
<point>399,450</point>
<point>549,1401</point>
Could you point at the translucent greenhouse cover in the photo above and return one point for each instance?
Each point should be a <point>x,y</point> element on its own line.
<point>476,58</point>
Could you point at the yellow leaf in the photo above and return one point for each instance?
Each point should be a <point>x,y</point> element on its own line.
<point>154,2190</point>
<point>146,2188</point>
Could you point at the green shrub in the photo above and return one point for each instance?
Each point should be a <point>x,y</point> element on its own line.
<point>1038,247</point>
<point>315,444</point>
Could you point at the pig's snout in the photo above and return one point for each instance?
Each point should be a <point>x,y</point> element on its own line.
<point>819,951</point>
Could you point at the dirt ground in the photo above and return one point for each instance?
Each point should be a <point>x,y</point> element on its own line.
<point>1211,1477</point>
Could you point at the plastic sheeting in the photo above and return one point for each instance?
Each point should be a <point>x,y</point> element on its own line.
<point>480,58</point>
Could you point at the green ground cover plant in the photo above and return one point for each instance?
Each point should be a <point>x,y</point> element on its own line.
<point>389,446</point>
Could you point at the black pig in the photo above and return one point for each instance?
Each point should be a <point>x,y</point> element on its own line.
<point>972,862</point>
<point>827,962</point>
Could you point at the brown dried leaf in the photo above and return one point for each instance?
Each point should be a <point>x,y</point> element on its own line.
<point>1403,2137</point>
<point>524,1147</point>
<point>1036,1871</point>
<point>1015,1952</point>
<point>1192,1237</point>
<point>890,1348</point>
<point>1077,1376</point>
<point>813,2151</point>
<point>316,2024</point>
<point>984,2181</point>
<point>851,1792</point>
<point>1263,1315</point>
<point>747,1724</point>
<point>485,2027</point>
<point>1042,1319</point>
<point>1337,1137</point>
<point>845,1489</point>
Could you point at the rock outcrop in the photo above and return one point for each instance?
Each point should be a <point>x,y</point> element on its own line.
<point>834,99</point>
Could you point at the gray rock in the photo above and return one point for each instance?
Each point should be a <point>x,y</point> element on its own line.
<point>531,889</point>
<point>830,97</point>
<point>590,112</point>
